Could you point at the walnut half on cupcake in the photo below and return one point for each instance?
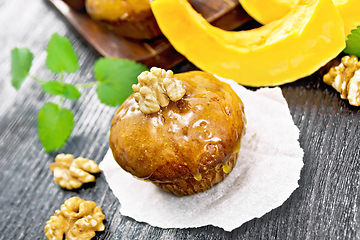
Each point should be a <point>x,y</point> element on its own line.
<point>181,132</point>
<point>126,18</point>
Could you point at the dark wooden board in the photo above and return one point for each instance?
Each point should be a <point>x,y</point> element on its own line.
<point>325,206</point>
<point>156,52</point>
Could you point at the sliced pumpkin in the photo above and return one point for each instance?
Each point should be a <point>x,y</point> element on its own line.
<point>350,13</point>
<point>271,10</point>
<point>265,11</point>
<point>282,51</point>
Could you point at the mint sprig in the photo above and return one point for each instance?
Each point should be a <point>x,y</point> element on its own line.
<point>61,55</point>
<point>114,78</point>
<point>353,43</point>
<point>21,61</point>
<point>66,90</point>
<point>55,125</point>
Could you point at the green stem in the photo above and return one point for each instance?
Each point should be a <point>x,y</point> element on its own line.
<point>86,85</point>
<point>62,77</point>
<point>61,98</point>
<point>37,79</point>
<point>60,101</point>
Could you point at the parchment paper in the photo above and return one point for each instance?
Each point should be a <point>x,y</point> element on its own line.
<point>267,172</point>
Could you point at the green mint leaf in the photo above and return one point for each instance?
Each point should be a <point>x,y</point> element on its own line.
<point>55,125</point>
<point>53,87</point>
<point>69,91</point>
<point>115,77</point>
<point>21,61</point>
<point>353,43</point>
<point>61,56</point>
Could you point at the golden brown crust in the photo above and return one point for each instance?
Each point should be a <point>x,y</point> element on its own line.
<point>113,10</point>
<point>76,4</point>
<point>187,138</point>
<point>146,28</point>
<point>188,186</point>
<point>122,19</point>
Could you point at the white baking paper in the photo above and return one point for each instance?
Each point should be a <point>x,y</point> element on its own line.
<point>266,173</point>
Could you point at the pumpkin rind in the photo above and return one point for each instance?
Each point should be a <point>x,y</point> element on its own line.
<point>282,51</point>
<point>270,10</point>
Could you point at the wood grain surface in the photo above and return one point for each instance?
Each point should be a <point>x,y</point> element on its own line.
<point>325,206</point>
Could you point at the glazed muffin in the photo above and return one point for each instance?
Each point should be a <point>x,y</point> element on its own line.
<point>127,18</point>
<point>184,140</point>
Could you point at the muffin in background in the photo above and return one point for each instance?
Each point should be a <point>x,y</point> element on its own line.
<point>187,145</point>
<point>76,4</point>
<point>126,18</point>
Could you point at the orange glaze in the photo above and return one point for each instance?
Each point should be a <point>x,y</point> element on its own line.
<point>187,137</point>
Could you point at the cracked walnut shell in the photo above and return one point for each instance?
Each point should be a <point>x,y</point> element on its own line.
<point>76,219</point>
<point>156,88</point>
<point>72,173</point>
<point>345,78</point>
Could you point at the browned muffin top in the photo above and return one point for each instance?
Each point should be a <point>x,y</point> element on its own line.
<point>183,139</point>
<point>116,10</point>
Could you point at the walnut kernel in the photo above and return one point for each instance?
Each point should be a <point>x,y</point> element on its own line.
<point>345,78</point>
<point>76,219</point>
<point>72,173</point>
<point>156,88</point>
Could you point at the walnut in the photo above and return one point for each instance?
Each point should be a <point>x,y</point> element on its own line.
<point>76,219</point>
<point>156,88</point>
<point>72,173</point>
<point>345,78</point>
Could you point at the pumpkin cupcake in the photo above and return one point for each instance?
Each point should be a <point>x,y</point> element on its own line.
<point>181,132</point>
<point>127,18</point>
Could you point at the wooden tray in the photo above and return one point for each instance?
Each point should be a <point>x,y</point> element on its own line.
<point>226,14</point>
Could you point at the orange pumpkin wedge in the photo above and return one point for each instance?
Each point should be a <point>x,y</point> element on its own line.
<point>282,51</point>
<point>265,11</point>
<point>271,10</point>
<point>350,13</point>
